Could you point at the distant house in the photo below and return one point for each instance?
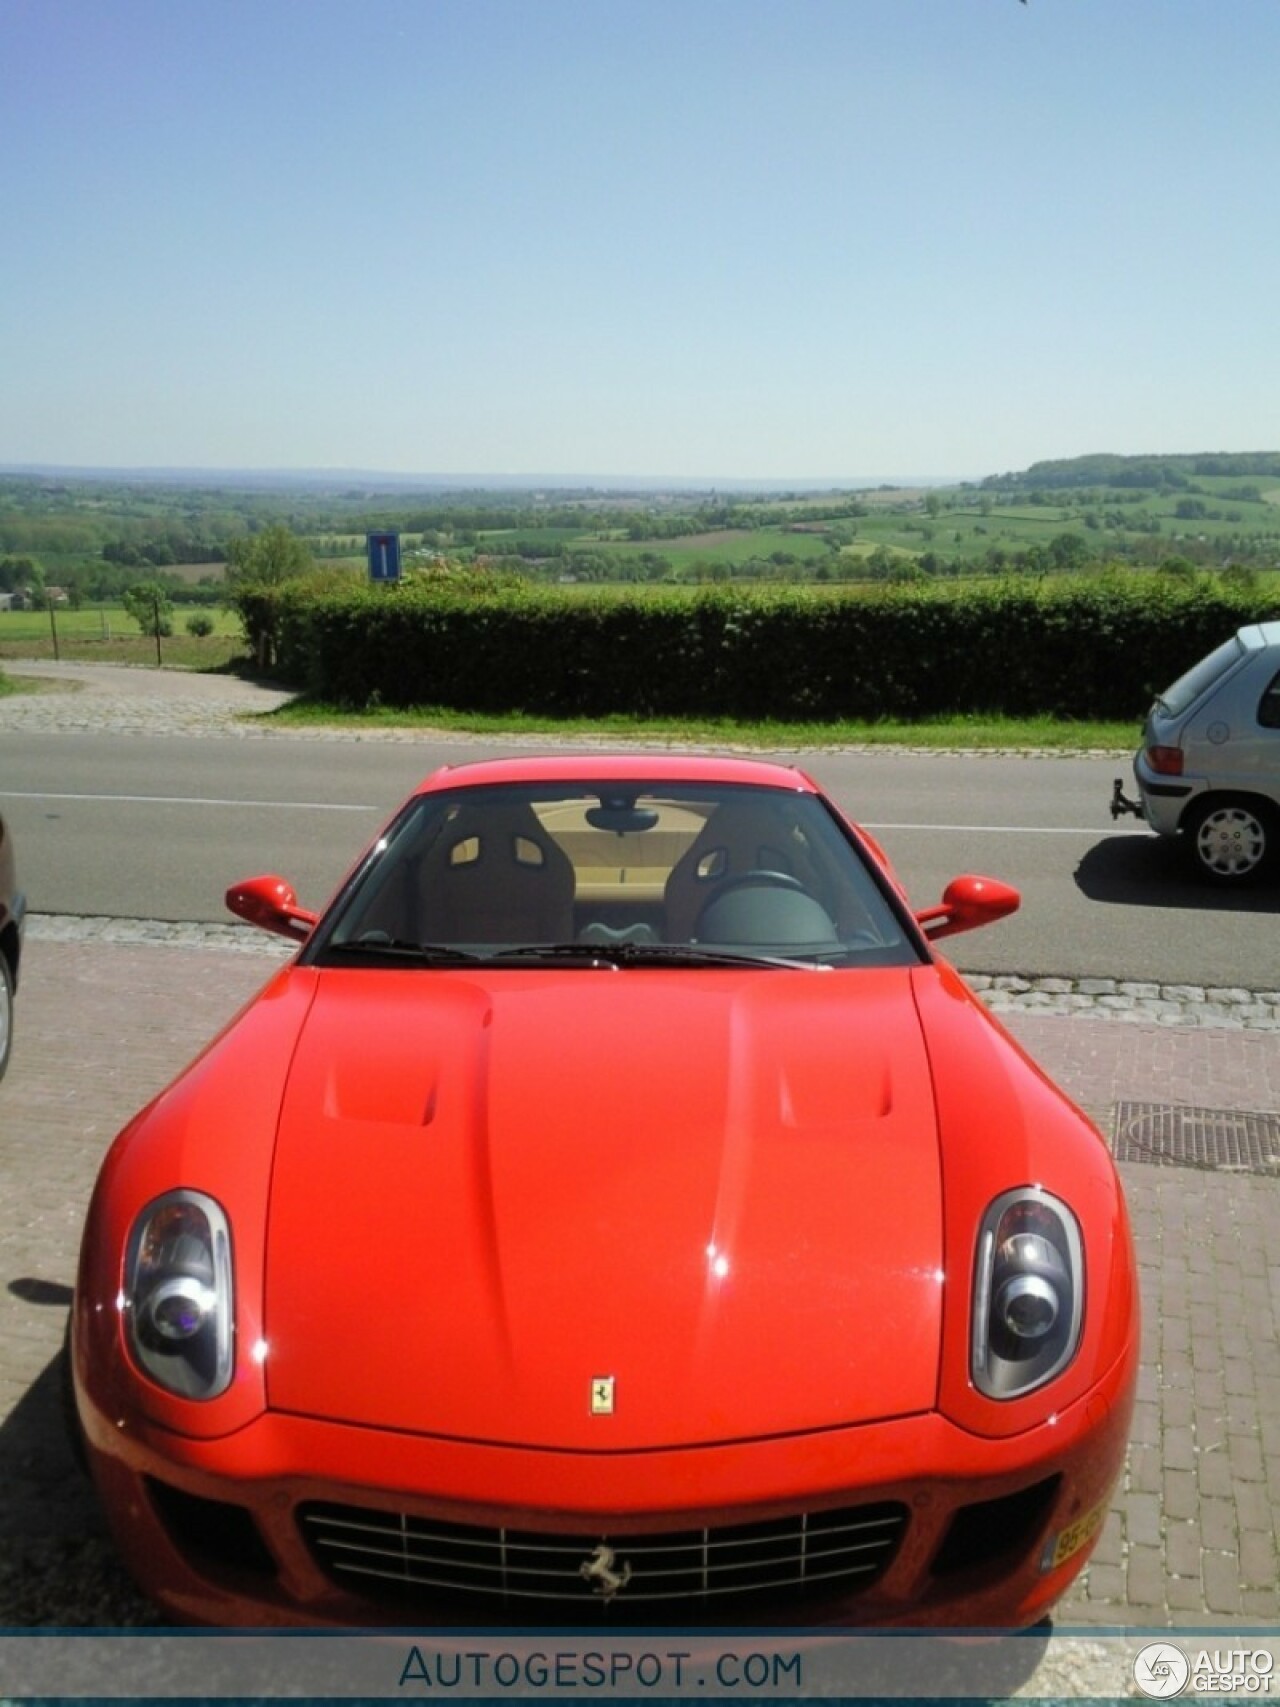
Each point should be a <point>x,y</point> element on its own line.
<point>28,598</point>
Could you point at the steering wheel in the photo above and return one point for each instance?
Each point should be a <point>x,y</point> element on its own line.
<point>762,907</point>
<point>760,879</point>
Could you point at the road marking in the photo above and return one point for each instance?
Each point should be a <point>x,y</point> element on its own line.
<point>1013,829</point>
<point>191,800</point>
<point>330,806</point>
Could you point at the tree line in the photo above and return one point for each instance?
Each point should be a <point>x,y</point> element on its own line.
<point>1151,473</point>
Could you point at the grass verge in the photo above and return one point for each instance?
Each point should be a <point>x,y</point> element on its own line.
<point>1046,734</point>
<point>958,733</point>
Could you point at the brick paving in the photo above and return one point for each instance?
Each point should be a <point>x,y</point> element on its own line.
<point>1191,1538</point>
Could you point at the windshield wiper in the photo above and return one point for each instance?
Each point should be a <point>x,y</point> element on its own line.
<point>649,954</point>
<point>613,954</point>
<point>395,948</point>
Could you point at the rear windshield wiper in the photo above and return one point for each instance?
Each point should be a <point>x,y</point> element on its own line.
<point>648,954</point>
<point>380,947</point>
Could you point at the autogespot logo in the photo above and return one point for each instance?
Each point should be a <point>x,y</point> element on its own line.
<point>1161,1670</point>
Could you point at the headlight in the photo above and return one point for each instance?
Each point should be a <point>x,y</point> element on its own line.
<point>177,1294</point>
<point>1028,1295</point>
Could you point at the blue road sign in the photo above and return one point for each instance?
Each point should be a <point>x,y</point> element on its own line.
<point>384,556</point>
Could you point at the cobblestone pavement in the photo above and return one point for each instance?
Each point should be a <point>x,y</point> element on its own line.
<point>108,1010</point>
<point>118,700</point>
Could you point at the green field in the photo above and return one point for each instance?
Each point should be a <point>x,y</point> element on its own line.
<point>109,635</point>
<point>721,547</point>
<point>94,537</point>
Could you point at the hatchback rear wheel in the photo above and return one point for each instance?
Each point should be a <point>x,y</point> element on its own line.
<point>1231,841</point>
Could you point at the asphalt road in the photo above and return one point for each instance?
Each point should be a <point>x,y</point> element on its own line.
<point>157,828</point>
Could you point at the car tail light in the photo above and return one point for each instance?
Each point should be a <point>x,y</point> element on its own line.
<point>1165,761</point>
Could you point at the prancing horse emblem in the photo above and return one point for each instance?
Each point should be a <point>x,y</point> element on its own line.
<point>599,1571</point>
<point>602,1395</point>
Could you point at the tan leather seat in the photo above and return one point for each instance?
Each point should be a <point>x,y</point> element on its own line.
<point>494,876</point>
<point>739,837</point>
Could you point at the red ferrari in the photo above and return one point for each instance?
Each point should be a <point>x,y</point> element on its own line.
<point>614,1211</point>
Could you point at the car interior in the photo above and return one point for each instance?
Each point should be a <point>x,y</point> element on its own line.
<point>747,869</point>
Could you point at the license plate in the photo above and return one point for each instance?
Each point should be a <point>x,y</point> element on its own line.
<point>1070,1540</point>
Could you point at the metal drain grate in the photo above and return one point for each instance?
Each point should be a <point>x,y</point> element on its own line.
<point>1222,1140</point>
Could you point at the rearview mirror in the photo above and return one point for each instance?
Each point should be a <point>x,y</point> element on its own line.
<point>272,904</point>
<point>966,903</point>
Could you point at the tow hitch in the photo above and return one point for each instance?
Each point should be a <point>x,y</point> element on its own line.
<point>1120,802</point>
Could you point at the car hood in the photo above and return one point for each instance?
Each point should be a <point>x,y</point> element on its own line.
<point>606,1210</point>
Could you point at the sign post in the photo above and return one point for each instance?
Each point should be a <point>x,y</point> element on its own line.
<point>384,556</point>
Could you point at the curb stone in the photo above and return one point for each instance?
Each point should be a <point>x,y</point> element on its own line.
<point>1121,999</point>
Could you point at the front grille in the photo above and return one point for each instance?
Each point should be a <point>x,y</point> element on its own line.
<point>389,1556</point>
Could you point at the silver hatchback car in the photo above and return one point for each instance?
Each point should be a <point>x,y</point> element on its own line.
<point>1208,770</point>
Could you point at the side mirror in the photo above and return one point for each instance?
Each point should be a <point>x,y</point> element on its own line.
<point>966,903</point>
<point>272,904</point>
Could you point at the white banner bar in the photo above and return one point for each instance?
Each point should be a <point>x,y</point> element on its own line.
<point>561,1666</point>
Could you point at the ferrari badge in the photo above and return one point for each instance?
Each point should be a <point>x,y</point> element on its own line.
<point>602,1395</point>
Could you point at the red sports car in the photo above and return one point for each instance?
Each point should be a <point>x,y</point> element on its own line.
<point>614,1210</point>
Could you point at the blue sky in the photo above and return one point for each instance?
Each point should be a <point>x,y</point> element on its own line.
<point>760,239</point>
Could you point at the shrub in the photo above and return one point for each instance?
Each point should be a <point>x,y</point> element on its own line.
<point>1094,648</point>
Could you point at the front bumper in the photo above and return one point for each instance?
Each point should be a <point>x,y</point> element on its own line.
<point>991,1533</point>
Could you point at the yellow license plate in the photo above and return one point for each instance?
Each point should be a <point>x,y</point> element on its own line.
<point>1070,1540</point>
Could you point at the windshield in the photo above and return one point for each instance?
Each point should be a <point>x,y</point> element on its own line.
<point>624,876</point>
<point>1188,688</point>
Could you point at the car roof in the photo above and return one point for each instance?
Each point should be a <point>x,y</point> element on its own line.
<point>1259,634</point>
<point>647,768</point>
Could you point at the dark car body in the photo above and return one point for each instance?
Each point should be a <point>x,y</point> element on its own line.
<point>12,911</point>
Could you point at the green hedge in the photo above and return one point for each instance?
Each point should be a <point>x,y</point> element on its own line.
<point>1092,649</point>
